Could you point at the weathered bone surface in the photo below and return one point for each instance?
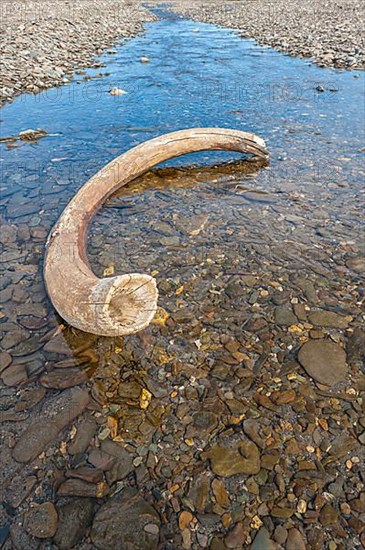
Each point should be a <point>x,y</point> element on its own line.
<point>127,303</point>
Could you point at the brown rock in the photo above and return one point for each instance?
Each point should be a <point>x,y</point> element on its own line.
<point>14,375</point>
<point>220,493</point>
<point>57,413</point>
<point>185,518</point>
<point>58,345</point>
<point>328,515</point>
<point>242,459</point>
<point>121,521</point>
<point>41,521</point>
<point>61,379</point>
<point>236,537</point>
<point>80,488</point>
<point>85,432</point>
<point>74,519</point>
<point>92,475</point>
<point>284,513</point>
<point>295,540</point>
<point>5,360</point>
<point>263,541</point>
<point>324,361</point>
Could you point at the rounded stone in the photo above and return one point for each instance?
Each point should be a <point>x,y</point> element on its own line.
<point>41,521</point>
<point>324,361</point>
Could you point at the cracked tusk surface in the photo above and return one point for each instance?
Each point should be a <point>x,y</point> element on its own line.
<point>123,304</point>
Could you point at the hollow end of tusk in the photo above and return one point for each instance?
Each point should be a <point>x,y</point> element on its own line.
<point>124,304</point>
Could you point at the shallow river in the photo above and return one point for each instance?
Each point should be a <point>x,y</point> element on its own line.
<point>244,254</point>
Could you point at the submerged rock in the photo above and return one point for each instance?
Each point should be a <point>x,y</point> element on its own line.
<point>121,523</point>
<point>74,519</point>
<point>60,411</point>
<point>41,521</point>
<point>244,458</point>
<point>324,361</point>
<point>263,541</point>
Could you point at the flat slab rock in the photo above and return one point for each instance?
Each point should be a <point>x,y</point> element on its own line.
<point>126,521</point>
<point>324,361</point>
<point>244,458</point>
<point>45,428</point>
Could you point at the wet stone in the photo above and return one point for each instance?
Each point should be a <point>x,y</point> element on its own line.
<point>75,518</point>
<point>81,488</point>
<point>61,411</point>
<point>236,537</point>
<point>262,541</point>
<point>295,540</point>
<point>91,475</point>
<point>14,375</point>
<point>328,515</point>
<point>205,420</point>
<point>322,318</point>
<point>121,522</point>
<point>19,489</point>
<point>356,346</point>
<point>220,493</point>
<point>41,521</point>
<point>244,458</point>
<point>324,361</point>
<point>284,316</point>
<point>61,379</point>
<point>357,264</point>
<point>86,430</point>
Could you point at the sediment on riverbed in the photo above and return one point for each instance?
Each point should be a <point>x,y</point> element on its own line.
<point>42,43</point>
<point>330,33</point>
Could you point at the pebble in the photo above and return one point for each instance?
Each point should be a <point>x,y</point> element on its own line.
<point>41,521</point>
<point>14,375</point>
<point>236,537</point>
<point>80,488</point>
<point>324,361</point>
<point>328,515</point>
<point>61,379</point>
<point>86,430</point>
<point>5,360</point>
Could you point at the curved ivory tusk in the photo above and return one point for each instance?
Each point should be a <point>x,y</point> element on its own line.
<point>124,304</point>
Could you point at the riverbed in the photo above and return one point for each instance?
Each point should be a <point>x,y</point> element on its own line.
<point>255,262</point>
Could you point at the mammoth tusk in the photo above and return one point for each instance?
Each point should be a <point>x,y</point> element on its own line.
<point>123,304</point>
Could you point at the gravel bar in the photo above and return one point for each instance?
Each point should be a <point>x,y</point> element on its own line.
<point>332,33</point>
<point>42,43</point>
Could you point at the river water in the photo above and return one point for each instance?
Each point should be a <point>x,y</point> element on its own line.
<point>230,241</point>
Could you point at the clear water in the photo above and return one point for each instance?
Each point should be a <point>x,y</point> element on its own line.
<point>310,197</point>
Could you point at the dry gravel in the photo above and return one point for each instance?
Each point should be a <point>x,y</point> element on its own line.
<point>42,43</point>
<point>330,32</point>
